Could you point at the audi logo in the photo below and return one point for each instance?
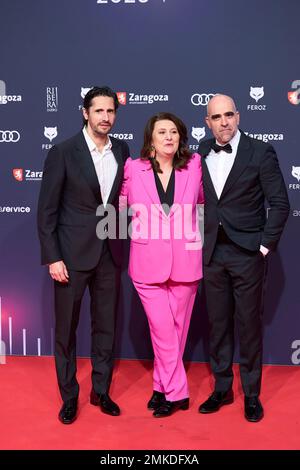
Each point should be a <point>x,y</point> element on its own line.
<point>9,136</point>
<point>201,100</point>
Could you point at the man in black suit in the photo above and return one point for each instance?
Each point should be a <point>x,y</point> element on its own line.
<point>239,175</point>
<point>81,174</point>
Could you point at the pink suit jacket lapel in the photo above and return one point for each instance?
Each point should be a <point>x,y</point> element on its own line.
<point>148,180</point>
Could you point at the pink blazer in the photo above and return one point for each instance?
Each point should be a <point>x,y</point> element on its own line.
<point>163,246</point>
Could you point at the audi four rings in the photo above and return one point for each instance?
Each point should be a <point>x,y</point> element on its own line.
<point>9,136</point>
<point>201,99</point>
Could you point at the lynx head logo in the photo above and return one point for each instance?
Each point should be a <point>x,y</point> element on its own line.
<point>257,93</point>
<point>296,172</point>
<point>84,91</point>
<point>50,132</point>
<point>198,133</point>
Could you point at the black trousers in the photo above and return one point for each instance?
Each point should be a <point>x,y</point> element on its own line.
<point>234,286</point>
<point>103,282</point>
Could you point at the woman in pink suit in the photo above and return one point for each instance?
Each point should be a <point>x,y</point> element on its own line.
<point>162,190</point>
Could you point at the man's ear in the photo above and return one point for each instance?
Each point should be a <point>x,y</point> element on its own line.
<point>207,121</point>
<point>85,113</point>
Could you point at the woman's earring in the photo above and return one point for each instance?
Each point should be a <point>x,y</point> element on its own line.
<point>153,152</point>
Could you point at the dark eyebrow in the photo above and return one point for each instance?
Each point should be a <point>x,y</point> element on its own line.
<point>164,129</point>
<point>227,114</point>
<point>101,109</point>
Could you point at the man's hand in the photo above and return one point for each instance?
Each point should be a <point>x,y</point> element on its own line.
<point>264,250</point>
<point>58,271</point>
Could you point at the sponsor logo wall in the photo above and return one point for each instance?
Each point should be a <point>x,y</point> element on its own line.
<point>155,70</point>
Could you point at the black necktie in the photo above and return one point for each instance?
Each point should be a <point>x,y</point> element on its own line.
<point>217,148</point>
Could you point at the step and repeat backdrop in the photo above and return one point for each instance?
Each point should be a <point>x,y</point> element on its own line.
<point>159,55</point>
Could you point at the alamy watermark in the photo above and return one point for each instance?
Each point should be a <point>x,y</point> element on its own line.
<point>2,90</point>
<point>159,222</point>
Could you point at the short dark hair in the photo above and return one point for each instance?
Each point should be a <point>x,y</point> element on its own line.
<point>99,91</point>
<point>183,155</point>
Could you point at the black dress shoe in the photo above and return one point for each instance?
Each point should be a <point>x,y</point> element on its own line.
<point>253,409</point>
<point>167,408</point>
<point>215,401</point>
<point>105,403</point>
<point>68,412</point>
<point>156,400</point>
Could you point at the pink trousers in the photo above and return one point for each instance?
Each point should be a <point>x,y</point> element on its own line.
<point>168,307</point>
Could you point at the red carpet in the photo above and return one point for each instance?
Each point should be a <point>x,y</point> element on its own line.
<point>30,403</point>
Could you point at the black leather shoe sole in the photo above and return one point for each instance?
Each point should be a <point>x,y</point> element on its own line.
<point>254,419</point>
<point>110,412</point>
<point>66,421</point>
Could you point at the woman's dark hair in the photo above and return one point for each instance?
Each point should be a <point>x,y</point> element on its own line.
<point>183,154</point>
<point>99,91</point>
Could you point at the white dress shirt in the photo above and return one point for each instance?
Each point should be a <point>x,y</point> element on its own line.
<point>105,165</point>
<point>220,164</point>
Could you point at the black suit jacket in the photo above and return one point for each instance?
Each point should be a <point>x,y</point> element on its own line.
<point>69,196</point>
<point>254,178</point>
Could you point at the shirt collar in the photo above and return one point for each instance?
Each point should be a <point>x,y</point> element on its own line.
<point>91,144</point>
